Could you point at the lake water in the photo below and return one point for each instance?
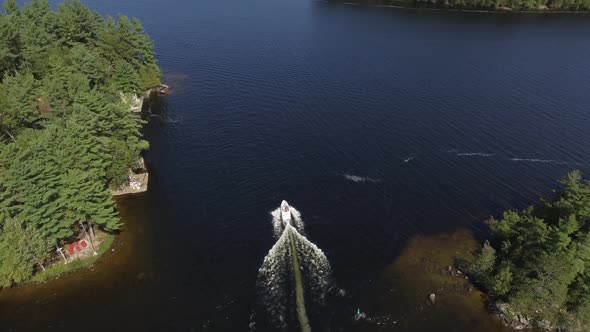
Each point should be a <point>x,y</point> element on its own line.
<point>378,125</point>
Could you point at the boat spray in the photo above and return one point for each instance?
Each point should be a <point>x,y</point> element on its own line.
<point>292,258</point>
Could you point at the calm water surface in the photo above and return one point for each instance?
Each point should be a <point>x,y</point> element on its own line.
<point>444,119</point>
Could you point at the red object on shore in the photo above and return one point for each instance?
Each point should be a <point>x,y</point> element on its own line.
<point>76,246</point>
<point>72,246</point>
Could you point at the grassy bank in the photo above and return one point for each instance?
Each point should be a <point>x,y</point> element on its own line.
<point>60,268</point>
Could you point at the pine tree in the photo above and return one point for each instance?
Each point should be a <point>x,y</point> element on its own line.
<point>75,23</point>
<point>10,45</point>
<point>21,248</point>
<point>125,78</point>
<point>10,7</point>
<point>18,103</point>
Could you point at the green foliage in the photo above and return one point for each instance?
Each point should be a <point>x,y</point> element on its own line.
<point>485,261</point>
<point>18,103</point>
<point>66,135</point>
<point>21,248</point>
<point>75,23</point>
<point>502,280</point>
<point>10,44</point>
<point>64,171</point>
<point>542,256</point>
<point>125,78</point>
<point>10,7</point>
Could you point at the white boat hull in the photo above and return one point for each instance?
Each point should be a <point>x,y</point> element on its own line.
<point>285,212</point>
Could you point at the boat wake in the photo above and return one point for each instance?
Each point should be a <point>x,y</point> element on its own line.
<point>358,179</point>
<point>515,159</point>
<point>382,321</point>
<point>474,154</point>
<point>293,268</point>
<point>545,161</point>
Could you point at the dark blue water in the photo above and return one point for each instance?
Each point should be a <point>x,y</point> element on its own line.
<point>446,118</point>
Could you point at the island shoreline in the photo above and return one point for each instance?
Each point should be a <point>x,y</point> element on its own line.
<point>408,5</point>
<point>59,269</point>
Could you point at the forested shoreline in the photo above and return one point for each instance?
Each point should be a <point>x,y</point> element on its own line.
<point>536,265</point>
<point>67,136</point>
<point>500,6</point>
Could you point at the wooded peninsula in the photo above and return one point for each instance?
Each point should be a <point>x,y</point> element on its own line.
<point>536,265</point>
<point>67,134</point>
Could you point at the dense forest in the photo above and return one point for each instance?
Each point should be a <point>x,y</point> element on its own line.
<point>66,134</point>
<point>492,5</point>
<point>538,260</point>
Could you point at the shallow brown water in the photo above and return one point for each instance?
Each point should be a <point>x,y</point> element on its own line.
<point>399,298</point>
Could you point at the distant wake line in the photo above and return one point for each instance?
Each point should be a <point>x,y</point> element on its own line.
<point>532,160</point>
<point>361,179</point>
<point>545,161</point>
<point>471,154</point>
<point>356,178</point>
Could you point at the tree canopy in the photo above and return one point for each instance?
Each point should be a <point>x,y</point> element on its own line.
<point>538,260</point>
<point>66,135</point>
<point>17,261</point>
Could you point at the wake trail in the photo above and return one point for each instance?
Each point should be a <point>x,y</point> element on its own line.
<point>299,292</point>
<point>315,265</point>
<point>292,254</point>
<point>544,161</point>
<point>514,159</point>
<point>357,178</point>
<point>272,280</point>
<point>474,154</point>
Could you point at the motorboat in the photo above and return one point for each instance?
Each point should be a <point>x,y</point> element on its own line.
<point>285,212</point>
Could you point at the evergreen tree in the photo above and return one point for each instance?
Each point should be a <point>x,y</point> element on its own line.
<point>75,23</point>
<point>10,7</point>
<point>125,78</point>
<point>10,45</point>
<point>21,248</point>
<point>18,103</point>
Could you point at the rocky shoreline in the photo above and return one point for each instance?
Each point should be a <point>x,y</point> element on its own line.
<point>502,311</point>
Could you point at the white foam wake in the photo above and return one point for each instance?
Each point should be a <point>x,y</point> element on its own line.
<point>272,280</point>
<point>472,154</point>
<point>292,258</point>
<point>277,223</point>
<point>515,159</point>
<point>356,178</point>
<point>536,160</point>
<point>314,266</point>
<point>297,221</point>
